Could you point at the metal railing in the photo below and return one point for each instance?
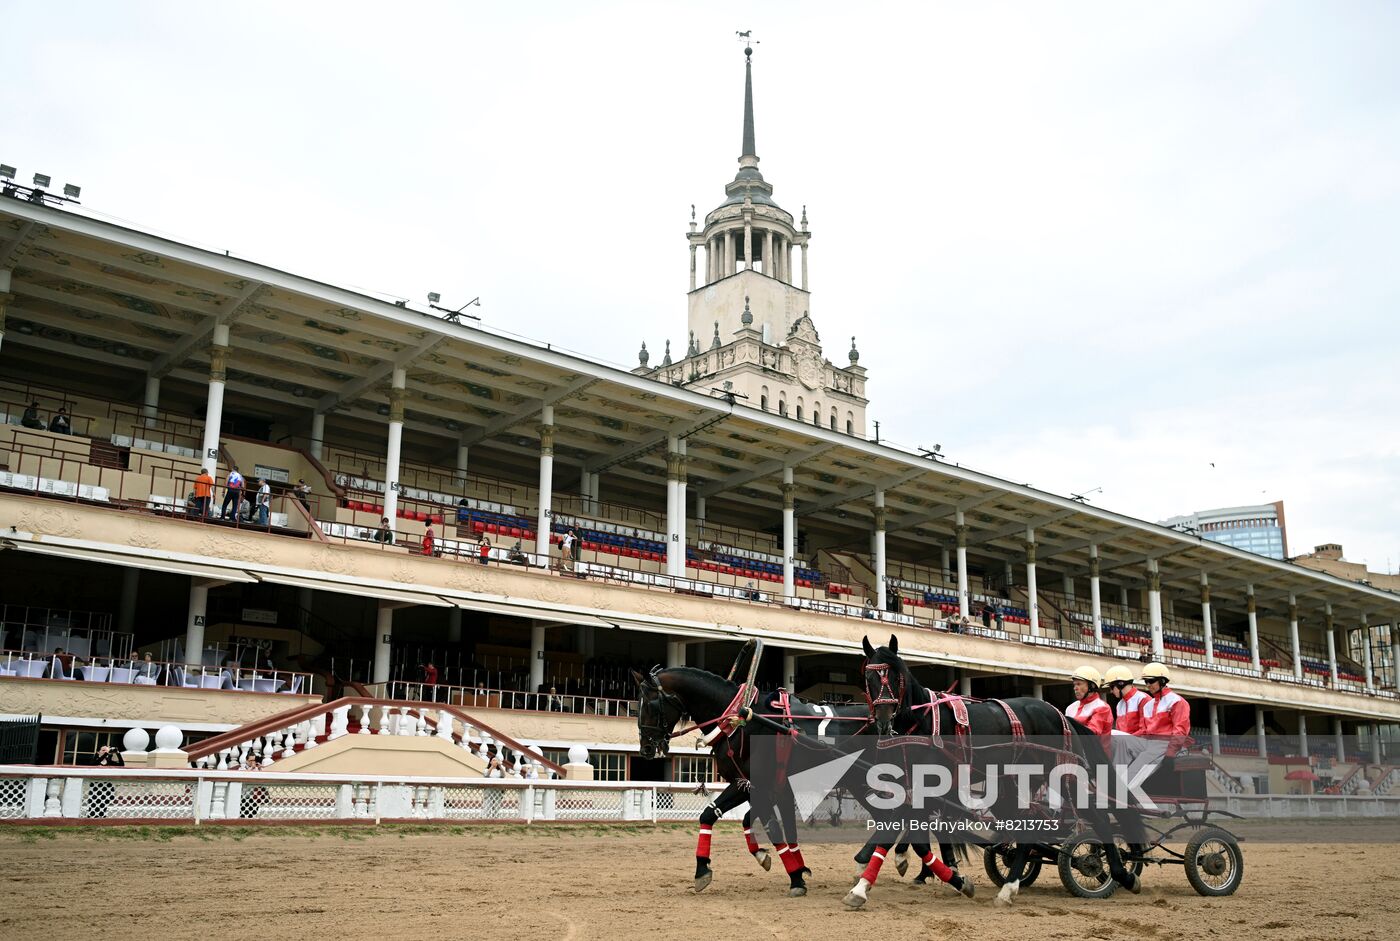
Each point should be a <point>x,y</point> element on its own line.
<point>127,670</point>
<point>42,630</point>
<point>480,697</point>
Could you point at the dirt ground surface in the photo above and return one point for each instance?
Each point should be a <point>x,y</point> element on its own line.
<point>578,883</point>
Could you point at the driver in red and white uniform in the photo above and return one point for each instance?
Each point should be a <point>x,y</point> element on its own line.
<point>1125,698</point>
<point>1088,706</point>
<point>1166,722</point>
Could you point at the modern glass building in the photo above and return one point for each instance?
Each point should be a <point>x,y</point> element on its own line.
<point>1257,529</point>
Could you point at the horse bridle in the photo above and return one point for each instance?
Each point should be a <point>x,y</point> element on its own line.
<point>885,695</point>
<point>663,698</point>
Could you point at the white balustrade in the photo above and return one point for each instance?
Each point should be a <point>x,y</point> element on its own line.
<point>385,727</point>
<point>444,725</point>
<point>218,800</point>
<point>288,742</point>
<point>340,723</point>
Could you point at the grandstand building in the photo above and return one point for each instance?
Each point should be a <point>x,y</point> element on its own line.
<point>703,514</point>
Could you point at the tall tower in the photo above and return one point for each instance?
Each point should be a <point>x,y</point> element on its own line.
<point>749,242</point>
<point>750,330</point>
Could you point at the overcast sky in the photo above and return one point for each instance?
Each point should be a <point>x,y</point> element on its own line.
<point>1081,245</point>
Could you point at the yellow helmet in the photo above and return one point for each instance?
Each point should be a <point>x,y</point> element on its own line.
<point>1156,670</point>
<point>1118,673</point>
<point>1088,674</point>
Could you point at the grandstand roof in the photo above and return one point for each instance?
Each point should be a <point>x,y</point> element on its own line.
<point>114,297</point>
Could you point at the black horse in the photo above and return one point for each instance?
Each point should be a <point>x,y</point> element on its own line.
<point>667,695</point>
<point>894,694</point>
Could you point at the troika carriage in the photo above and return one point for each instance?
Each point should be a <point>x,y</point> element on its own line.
<point>1096,847</point>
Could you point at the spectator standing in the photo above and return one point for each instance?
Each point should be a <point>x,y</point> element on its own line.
<point>203,492</point>
<point>60,424</point>
<point>264,501</point>
<point>101,791</point>
<point>30,418</point>
<point>303,492</point>
<point>986,615</point>
<point>566,549</point>
<point>483,550</point>
<point>233,493</point>
<point>429,543</point>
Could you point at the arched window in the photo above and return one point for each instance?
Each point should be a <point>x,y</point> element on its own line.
<point>799,413</point>
<point>833,419</point>
<point>817,414</point>
<point>850,423</point>
<point>763,398</point>
<point>782,405</point>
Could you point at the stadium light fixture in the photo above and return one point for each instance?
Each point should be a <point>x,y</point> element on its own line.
<point>7,172</point>
<point>71,191</point>
<point>453,316</point>
<point>42,180</point>
<point>434,297</point>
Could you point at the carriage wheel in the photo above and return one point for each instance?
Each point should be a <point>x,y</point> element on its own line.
<point>1084,867</point>
<point>1125,849</point>
<point>1214,863</point>
<point>996,861</point>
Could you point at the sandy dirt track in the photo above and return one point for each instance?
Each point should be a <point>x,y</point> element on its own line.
<point>594,883</point>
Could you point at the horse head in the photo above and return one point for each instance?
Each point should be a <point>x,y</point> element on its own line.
<point>885,683</point>
<point>658,711</point>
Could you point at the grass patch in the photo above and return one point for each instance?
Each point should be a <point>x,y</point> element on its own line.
<point>239,833</point>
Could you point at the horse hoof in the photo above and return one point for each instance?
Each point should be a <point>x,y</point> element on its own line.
<point>966,887</point>
<point>853,901</point>
<point>764,859</point>
<point>702,882</point>
<point>1135,886</point>
<point>920,880</point>
<point>797,891</point>
<point>1000,902</point>
<point>901,865</point>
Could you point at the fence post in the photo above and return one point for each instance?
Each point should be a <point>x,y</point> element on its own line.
<point>529,803</point>
<point>654,792</point>
<point>34,797</point>
<point>72,805</point>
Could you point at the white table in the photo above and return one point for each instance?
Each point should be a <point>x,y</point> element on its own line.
<point>211,682</point>
<point>121,675</point>
<point>93,674</point>
<point>32,668</point>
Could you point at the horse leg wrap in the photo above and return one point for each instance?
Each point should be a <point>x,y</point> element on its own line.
<point>799,864</point>
<point>939,868</point>
<point>702,846</point>
<point>872,869</point>
<point>750,841</point>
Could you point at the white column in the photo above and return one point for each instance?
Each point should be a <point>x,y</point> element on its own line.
<point>1366,655</point>
<point>700,511</point>
<point>1207,629</point>
<point>675,550</point>
<point>318,434</point>
<point>1123,598</point>
<point>194,626</point>
<point>1259,735</point>
<point>391,460</point>
<point>1375,744</point>
<point>961,531</point>
<point>464,453</point>
<point>770,266</point>
<point>1213,711</point>
<point>536,658</point>
<point>1395,654</point>
<point>126,614</point>
<point>1293,642</point>
<point>683,528</point>
<point>1331,644</point>
<point>692,265</point>
<point>1154,608</point>
<point>1032,596</point>
<point>1010,575</point>
<point>1095,601</point>
<point>965,681</point>
<point>881,585</point>
<point>1303,734</point>
<point>383,643</point>
<point>789,533</point>
<point>804,266</point>
<point>1253,627</point>
<point>214,407</point>
<point>1339,740</point>
<point>454,625</point>
<point>946,564</point>
<point>545,513</point>
<point>675,654</point>
<point>1067,583</point>
<point>790,672</point>
<point>150,403</point>
<point>748,246</point>
<point>1038,691</point>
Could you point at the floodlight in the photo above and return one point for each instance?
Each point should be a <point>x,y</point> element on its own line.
<point>71,191</point>
<point>42,181</point>
<point>434,297</point>
<point>6,171</point>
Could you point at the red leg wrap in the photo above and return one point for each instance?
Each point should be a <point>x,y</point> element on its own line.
<point>798,862</point>
<point>702,847</point>
<point>748,838</point>
<point>872,869</point>
<point>939,868</point>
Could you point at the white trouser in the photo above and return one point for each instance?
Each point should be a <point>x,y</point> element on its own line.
<point>1141,756</point>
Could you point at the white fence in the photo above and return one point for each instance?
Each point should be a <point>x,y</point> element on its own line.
<point>51,794</point>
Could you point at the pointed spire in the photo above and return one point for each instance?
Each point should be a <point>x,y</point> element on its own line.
<point>855,353</point>
<point>666,360</point>
<point>715,343</point>
<point>643,355</point>
<point>749,149</point>
<point>747,318</point>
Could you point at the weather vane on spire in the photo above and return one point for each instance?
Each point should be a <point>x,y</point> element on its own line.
<point>746,37</point>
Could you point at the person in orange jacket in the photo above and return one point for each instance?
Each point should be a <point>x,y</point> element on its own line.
<point>1125,698</point>
<point>1088,707</point>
